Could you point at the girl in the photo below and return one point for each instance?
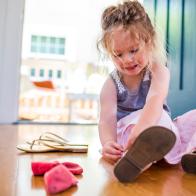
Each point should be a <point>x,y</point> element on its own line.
<point>134,115</point>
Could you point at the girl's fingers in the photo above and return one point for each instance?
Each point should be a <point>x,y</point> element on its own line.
<point>111,156</point>
<point>118,147</point>
<point>111,150</point>
<point>116,152</point>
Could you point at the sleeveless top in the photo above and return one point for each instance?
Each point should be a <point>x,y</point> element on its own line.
<point>128,101</point>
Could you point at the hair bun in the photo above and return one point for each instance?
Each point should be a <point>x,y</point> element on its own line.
<point>127,13</point>
<point>109,17</point>
<point>132,11</point>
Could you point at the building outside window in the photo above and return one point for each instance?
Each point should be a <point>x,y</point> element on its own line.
<point>59,52</point>
<point>47,45</point>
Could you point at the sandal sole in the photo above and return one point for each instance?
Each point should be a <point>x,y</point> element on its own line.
<point>188,163</point>
<point>151,145</point>
<point>54,148</point>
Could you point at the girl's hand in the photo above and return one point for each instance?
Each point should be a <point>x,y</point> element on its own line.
<point>112,151</point>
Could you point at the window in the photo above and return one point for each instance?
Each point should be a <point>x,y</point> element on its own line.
<point>32,72</point>
<point>58,73</point>
<point>47,45</point>
<point>50,73</point>
<point>41,73</point>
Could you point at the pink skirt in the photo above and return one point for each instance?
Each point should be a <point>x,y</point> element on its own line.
<point>184,127</point>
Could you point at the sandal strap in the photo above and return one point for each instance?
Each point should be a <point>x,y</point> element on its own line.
<point>46,142</point>
<point>58,139</point>
<point>40,142</point>
<point>53,136</point>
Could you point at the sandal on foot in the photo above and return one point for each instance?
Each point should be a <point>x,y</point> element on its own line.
<point>151,145</point>
<point>188,162</point>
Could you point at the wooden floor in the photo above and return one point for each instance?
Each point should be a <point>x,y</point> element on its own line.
<point>17,179</point>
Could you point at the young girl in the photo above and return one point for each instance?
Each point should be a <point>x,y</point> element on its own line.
<point>135,127</point>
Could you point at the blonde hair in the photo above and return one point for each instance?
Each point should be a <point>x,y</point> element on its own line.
<point>131,15</point>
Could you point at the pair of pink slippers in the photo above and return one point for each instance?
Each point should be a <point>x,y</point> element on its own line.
<point>57,176</point>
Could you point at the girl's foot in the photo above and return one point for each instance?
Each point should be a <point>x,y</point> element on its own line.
<point>150,146</point>
<point>188,162</point>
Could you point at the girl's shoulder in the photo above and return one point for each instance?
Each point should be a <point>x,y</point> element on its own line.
<point>108,90</point>
<point>108,85</point>
<point>116,78</point>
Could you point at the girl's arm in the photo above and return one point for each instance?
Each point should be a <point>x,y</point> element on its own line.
<point>108,121</point>
<point>108,108</point>
<point>153,108</point>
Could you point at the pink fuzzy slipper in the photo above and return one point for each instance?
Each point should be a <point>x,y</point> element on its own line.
<point>59,179</point>
<point>40,168</point>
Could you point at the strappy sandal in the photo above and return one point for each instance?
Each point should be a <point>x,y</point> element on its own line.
<point>150,146</point>
<point>50,142</point>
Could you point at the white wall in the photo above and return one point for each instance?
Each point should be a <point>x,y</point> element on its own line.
<point>79,20</point>
<point>11,20</point>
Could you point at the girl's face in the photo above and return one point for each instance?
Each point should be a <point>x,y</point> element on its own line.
<point>128,53</point>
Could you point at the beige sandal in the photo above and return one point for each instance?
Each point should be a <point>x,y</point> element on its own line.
<point>50,142</point>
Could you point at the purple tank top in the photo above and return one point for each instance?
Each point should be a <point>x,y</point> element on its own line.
<point>128,101</point>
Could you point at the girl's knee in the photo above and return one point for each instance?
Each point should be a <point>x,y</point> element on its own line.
<point>187,120</point>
